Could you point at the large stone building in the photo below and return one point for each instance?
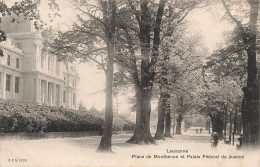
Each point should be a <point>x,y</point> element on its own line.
<point>27,74</point>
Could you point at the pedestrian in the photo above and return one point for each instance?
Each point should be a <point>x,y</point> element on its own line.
<point>196,130</point>
<point>200,130</point>
<point>214,139</point>
<point>240,139</point>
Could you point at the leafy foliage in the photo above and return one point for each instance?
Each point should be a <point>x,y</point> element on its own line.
<point>20,117</point>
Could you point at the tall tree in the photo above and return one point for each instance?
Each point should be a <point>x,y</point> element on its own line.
<point>148,30</point>
<point>149,55</point>
<point>248,35</point>
<point>109,15</point>
<point>92,38</point>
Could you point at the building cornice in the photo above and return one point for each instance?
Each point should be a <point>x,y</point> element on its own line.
<point>11,68</point>
<point>26,35</point>
<point>76,75</point>
<point>13,50</point>
<point>71,87</point>
<point>42,73</point>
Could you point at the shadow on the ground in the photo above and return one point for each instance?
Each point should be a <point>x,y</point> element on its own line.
<point>93,141</point>
<point>120,140</point>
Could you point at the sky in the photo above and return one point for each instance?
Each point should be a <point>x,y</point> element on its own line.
<point>205,22</point>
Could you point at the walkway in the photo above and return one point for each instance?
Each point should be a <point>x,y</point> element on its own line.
<point>189,149</point>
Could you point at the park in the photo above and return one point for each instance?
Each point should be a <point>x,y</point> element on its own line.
<point>177,82</point>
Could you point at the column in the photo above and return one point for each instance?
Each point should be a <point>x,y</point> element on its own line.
<point>69,98</point>
<point>76,94</point>
<point>50,90</point>
<point>61,95</point>
<point>57,95</point>
<point>13,85</point>
<point>40,90</point>
<point>46,92</point>
<point>36,89</point>
<point>54,93</point>
<point>4,84</point>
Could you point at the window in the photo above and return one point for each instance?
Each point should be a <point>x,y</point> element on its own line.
<point>57,95</point>
<point>17,63</point>
<point>74,83</point>
<point>74,99</point>
<point>73,69</point>
<point>64,96</point>
<point>18,45</point>
<point>17,83</point>
<point>49,63</point>
<point>57,67</point>
<point>8,60</point>
<point>42,61</point>
<point>64,80</point>
<point>50,93</point>
<point>8,82</point>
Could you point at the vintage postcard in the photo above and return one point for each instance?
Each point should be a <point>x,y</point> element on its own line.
<point>129,83</point>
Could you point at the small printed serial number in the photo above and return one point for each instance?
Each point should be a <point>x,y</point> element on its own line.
<point>17,160</point>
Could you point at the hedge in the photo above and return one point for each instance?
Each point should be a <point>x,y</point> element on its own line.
<point>21,117</point>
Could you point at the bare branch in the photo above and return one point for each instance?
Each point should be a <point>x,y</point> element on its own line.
<point>91,58</point>
<point>230,15</point>
<point>92,16</point>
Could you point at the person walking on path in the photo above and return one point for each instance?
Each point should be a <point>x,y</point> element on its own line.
<point>214,139</point>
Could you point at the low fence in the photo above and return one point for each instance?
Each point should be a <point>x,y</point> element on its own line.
<point>46,135</point>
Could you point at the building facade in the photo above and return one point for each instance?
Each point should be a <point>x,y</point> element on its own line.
<point>27,74</point>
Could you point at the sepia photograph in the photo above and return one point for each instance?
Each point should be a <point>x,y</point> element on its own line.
<point>129,83</point>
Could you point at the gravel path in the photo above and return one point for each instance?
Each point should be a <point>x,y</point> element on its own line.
<point>189,150</point>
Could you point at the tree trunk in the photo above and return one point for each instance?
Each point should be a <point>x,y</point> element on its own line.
<point>225,123</point>
<point>105,143</point>
<point>178,127</point>
<point>167,132</point>
<point>250,117</point>
<point>238,125</point>
<point>217,126</point>
<point>173,126</point>
<point>142,134</point>
<point>161,115</point>
<point>148,65</point>
<point>239,128</point>
<point>230,127</point>
<point>207,125</point>
<point>251,91</point>
<point>185,125</point>
<point>235,127</point>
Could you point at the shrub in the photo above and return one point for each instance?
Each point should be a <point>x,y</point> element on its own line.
<point>20,117</point>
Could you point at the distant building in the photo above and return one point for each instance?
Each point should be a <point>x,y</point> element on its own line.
<point>27,74</point>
